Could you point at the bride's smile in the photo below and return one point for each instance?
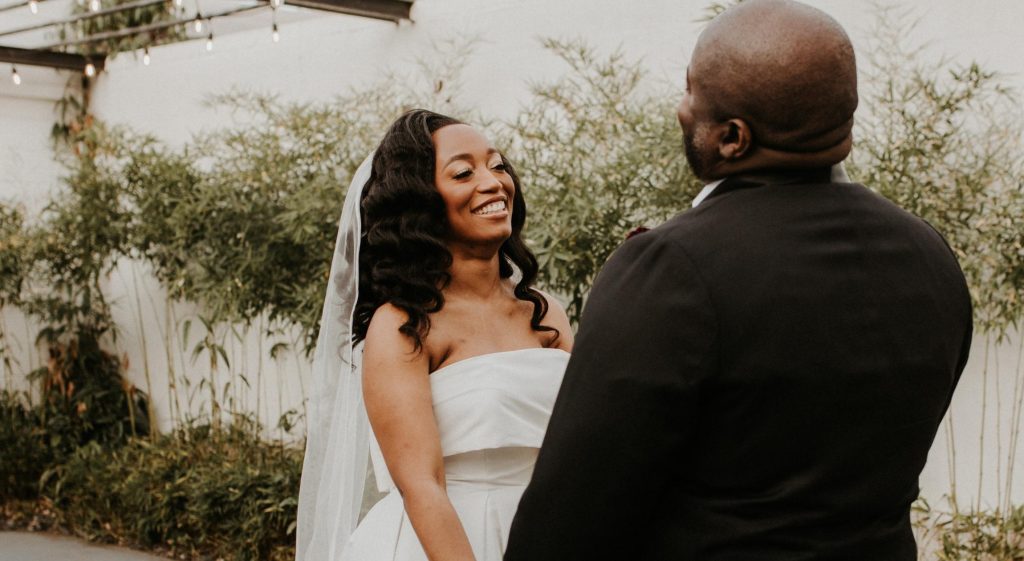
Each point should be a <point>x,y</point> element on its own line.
<point>493,208</point>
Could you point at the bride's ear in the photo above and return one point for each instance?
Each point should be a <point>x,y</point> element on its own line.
<point>734,140</point>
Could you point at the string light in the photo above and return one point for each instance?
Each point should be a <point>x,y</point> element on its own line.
<point>275,34</point>
<point>94,5</point>
<point>15,77</point>
<point>209,42</point>
<point>34,6</point>
<point>276,3</point>
<point>198,23</point>
<point>90,70</point>
<point>145,56</point>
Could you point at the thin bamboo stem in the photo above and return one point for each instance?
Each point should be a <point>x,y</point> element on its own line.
<point>1015,427</point>
<point>951,460</point>
<point>6,353</point>
<point>302,385</point>
<point>31,348</point>
<point>984,419</point>
<point>243,362</point>
<point>172,328</point>
<point>280,403</point>
<point>150,408</point>
<point>173,405</point>
<point>999,426</point>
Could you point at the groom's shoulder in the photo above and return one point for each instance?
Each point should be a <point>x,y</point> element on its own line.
<point>683,230</point>
<point>671,238</point>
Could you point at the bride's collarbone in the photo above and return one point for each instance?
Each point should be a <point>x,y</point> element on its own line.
<point>456,336</point>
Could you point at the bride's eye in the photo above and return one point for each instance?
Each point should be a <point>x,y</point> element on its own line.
<point>463,174</point>
<point>500,166</point>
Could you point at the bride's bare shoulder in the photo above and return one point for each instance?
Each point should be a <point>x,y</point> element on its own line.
<point>384,338</point>
<point>384,332</point>
<point>386,322</point>
<point>558,319</point>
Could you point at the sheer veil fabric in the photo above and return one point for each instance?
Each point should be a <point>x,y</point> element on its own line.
<point>337,429</point>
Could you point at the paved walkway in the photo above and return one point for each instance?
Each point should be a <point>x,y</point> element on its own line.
<point>33,546</point>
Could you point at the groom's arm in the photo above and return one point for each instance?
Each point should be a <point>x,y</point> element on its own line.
<point>618,433</point>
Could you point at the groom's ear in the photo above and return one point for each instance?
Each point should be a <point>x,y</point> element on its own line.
<point>735,139</point>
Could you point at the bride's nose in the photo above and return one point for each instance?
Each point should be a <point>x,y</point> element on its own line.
<point>489,183</point>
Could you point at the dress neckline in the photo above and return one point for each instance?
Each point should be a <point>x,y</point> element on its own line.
<point>486,355</point>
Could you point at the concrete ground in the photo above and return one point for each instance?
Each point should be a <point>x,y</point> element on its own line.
<point>33,546</point>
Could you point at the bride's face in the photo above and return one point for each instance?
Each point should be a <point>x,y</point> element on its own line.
<point>477,189</point>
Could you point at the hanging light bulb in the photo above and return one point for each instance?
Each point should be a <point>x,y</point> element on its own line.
<point>94,5</point>
<point>145,56</point>
<point>34,6</point>
<point>276,3</point>
<point>90,70</point>
<point>275,35</point>
<point>209,42</point>
<point>15,77</point>
<point>198,23</point>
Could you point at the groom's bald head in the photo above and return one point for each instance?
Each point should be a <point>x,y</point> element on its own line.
<point>771,84</point>
<point>785,67</point>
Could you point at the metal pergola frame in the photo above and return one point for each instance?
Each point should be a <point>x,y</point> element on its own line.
<point>51,59</point>
<point>55,56</point>
<point>391,10</point>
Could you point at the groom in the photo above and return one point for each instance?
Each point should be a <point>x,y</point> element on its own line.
<point>761,377</point>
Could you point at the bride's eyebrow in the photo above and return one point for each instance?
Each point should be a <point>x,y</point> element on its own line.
<point>468,157</point>
<point>465,157</point>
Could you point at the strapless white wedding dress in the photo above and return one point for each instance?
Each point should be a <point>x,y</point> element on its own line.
<point>492,411</point>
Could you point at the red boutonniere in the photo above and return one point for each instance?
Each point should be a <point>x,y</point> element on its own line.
<point>637,231</point>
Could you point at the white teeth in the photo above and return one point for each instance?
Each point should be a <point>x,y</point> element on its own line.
<point>498,206</point>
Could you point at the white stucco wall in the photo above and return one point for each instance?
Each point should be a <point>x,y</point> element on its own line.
<point>322,55</point>
<point>28,172</point>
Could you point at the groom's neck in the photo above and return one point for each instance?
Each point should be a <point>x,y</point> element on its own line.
<point>763,160</point>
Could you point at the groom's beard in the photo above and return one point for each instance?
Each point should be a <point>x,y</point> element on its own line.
<point>696,154</point>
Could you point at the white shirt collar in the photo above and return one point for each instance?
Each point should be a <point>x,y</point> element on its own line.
<point>838,176</point>
<point>706,191</point>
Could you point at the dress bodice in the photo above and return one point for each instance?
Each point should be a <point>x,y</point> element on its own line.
<point>495,400</point>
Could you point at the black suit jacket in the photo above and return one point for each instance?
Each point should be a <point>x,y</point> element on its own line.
<point>760,378</point>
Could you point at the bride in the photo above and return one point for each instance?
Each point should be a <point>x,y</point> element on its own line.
<point>460,357</point>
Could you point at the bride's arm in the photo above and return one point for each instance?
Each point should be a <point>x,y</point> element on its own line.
<point>396,389</point>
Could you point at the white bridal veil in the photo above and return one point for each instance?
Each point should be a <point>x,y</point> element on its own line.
<point>337,430</point>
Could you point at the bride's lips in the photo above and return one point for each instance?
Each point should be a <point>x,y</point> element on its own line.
<point>496,214</point>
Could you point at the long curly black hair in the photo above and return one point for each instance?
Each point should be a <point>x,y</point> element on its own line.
<point>403,257</point>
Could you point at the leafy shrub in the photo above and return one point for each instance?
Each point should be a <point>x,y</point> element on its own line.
<point>73,245</point>
<point>12,268</point>
<point>992,535</point>
<point>25,454</point>
<point>12,252</point>
<point>198,491</point>
<point>85,399</point>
